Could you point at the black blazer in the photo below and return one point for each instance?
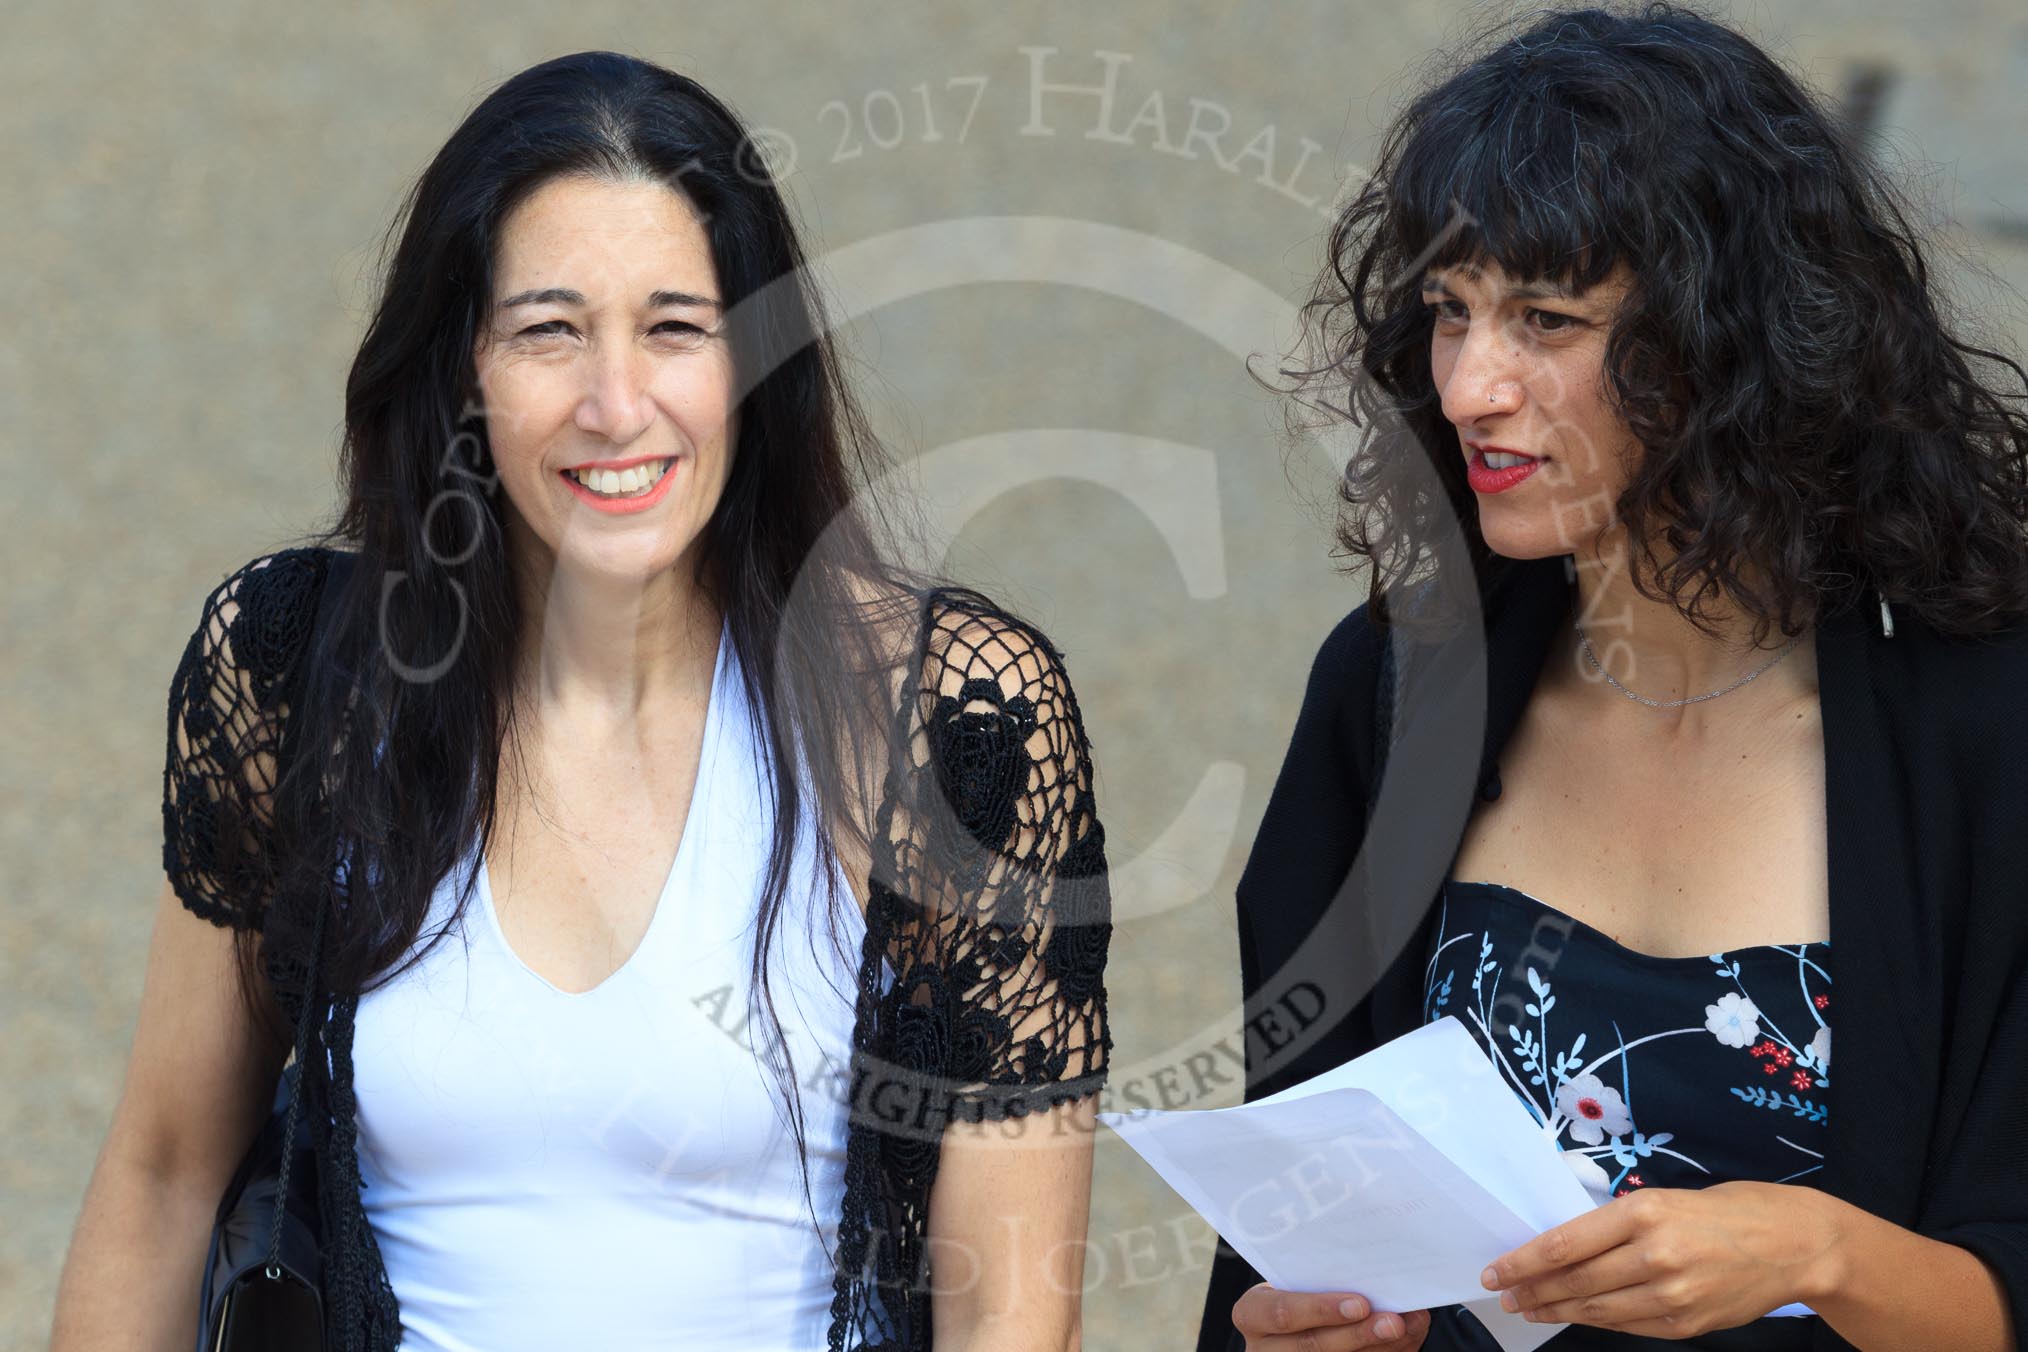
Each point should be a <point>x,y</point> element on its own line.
<point>1927,807</point>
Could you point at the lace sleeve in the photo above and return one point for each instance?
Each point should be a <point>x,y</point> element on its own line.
<point>227,710</point>
<point>996,857</point>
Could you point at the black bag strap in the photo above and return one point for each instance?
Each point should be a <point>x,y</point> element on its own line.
<point>274,1267</point>
<point>338,568</point>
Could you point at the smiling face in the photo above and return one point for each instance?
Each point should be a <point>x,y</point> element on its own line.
<point>1520,367</point>
<point>607,377</point>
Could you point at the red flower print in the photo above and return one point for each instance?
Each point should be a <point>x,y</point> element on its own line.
<point>1801,1079</point>
<point>1634,1179</point>
<point>1762,1047</point>
<point>1771,1068</point>
<point>1823,1002</point>
<point>1782,1056</point>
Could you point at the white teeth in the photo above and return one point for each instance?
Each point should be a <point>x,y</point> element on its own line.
<point>1501,460</point>
<point>628,482</point>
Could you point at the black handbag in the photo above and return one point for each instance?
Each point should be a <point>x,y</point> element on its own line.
<point>262,1289</point>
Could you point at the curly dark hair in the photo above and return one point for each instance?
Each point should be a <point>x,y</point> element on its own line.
<point>1811,427</point>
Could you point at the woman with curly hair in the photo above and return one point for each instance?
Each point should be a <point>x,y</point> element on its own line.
<point>696,922</point>
<point>1695,653</point>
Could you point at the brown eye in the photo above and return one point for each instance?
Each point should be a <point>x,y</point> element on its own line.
<point>1558,323</point>
<point>548,328</point>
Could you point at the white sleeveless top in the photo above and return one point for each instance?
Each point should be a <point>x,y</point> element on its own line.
<point>613,1168</point>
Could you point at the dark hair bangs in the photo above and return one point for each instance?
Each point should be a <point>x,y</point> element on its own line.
<point>1517,178</point>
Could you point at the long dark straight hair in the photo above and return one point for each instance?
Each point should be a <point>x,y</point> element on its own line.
<point>407,712</point>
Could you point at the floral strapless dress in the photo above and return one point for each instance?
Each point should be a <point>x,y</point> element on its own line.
<point>1647,1072</point>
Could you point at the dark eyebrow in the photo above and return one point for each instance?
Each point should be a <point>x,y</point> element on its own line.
<point>559,295</point>
<point>1433,285</point>
<point>550,295</point>
<point>657,299</point>
<point>1541,291</point>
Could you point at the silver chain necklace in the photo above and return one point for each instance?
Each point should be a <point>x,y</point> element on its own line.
<point>1678,703</point>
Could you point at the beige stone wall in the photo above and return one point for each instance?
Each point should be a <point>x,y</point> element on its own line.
<point>194,194</point>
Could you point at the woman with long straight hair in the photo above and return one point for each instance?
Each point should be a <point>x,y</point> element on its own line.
<point>1684,723</point>
<point>707,917</point>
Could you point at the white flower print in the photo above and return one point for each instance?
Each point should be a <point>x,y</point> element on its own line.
<point>1595,1111</point>
<point>1734,1020</point>
<point>1820,1048</point>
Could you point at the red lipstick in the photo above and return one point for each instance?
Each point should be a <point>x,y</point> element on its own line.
<point>1485,479</point>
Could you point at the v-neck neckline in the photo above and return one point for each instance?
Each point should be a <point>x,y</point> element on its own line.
<point>685,846</point>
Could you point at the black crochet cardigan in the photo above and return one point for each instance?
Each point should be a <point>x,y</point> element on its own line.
<point>997,1007</point>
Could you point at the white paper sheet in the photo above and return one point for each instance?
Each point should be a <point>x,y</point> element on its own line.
<point>1398,1175</point>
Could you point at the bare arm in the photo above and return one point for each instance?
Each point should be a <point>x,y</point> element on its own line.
<point>1870,1269</point>
<point>1007,1225</point>
<point>199,1082</point>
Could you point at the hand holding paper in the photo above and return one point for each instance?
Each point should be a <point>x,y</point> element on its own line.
<point>1399,1175</point>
